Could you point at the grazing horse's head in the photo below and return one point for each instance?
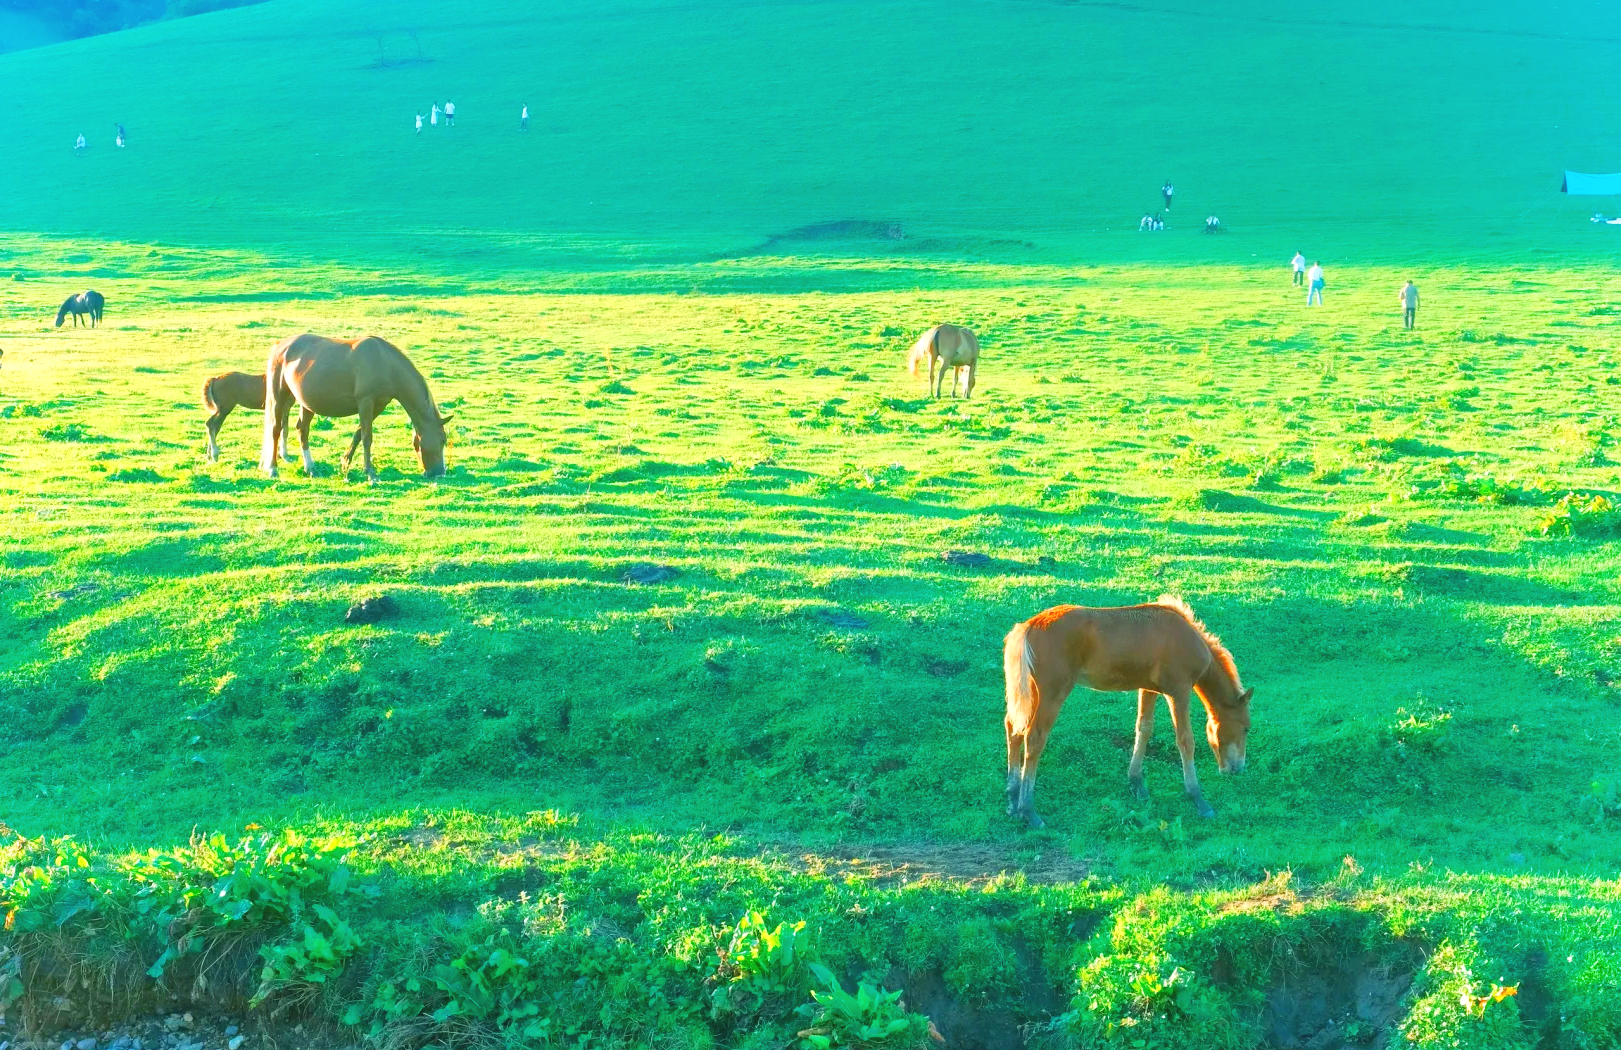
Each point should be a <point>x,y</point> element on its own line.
<point>66,306</point>
<point>1228,730</point>
<point>431,450</point>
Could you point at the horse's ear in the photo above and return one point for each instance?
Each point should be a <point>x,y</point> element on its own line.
<point>1244,697</point>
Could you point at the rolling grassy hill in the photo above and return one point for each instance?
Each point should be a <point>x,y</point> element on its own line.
<point>673,131</point>
<point>669,322</point>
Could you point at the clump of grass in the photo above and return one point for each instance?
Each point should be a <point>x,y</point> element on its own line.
<point>1580,514</point>
<point>1479,486</point>
<point>1361,518</point>
<point>66,432</point>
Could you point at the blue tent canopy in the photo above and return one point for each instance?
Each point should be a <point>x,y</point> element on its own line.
<point>1578,184</point>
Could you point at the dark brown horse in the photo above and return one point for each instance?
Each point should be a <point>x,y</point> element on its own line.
<point>337,377</point>
<point>1158,650</point>
<point>86,302</point>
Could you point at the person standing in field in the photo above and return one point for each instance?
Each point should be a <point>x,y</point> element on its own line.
<point>419,123</point>
<point>1299,263</point>
<point>1166,191</point>
<point>1314,284</point>
<point>450,114</point>
<point>1409,304</point>
<point>434,117</point>
<point>523,121</point>
<point>119,138</point>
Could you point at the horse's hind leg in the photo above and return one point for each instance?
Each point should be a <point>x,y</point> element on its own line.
<point>1035,742</point>
<point>278,404</point>
<point>213,424</point>
<point>348,457</point>
<point>1179,702</point>
<point>305,416</point>
<point>1146,699</point>
<point>368,411</point>
<point>1015,760</point>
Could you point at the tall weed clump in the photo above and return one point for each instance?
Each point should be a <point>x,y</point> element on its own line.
<point>251,920</point>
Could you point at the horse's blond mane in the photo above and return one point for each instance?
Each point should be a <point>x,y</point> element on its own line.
<point>1217,650</point>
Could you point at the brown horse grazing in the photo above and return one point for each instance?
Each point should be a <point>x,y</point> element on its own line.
<point>1159,649</point>
<point>948,346</point>
<point>86,302</point>
<point>225,392</point>
<point>337,377</point>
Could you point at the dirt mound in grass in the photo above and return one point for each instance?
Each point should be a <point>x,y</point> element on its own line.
<point>1351,1002</point>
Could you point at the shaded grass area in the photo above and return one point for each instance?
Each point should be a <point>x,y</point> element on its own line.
<point>542,756</point>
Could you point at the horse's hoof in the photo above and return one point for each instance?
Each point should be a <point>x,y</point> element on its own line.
<point>1034,822</point>
<point>1205,811</point>
<point>1139,791</point>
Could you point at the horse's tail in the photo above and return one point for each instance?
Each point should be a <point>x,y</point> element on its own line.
<point>208,396</point>
<point>920,350</point>
<point>1018,665</point>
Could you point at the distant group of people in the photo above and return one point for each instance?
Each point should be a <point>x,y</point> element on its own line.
<point>1312,278</point>
<point>118,139</point>
<point>449,111</point>
<point>1154,221</point>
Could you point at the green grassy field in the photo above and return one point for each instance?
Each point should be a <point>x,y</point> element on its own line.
<point>543,804</point>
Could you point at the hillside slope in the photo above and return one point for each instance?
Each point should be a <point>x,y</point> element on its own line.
<point>674,130</point>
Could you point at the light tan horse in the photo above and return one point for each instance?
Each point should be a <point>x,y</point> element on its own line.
<point>1158,650</point>
<point>336,377</point>
<point>947,346</point>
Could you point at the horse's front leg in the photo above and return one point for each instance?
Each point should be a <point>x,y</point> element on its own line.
<point>1184,744</point>
<point>1146,699</point>
<point>305,416</point>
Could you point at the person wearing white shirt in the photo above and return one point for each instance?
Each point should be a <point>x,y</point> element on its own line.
<point>1409,304</point>
<point>1299,263</point>
<point>1314,284</point>
<point>1166,191</point>
<point>523,121</point>
<point>79,144</point>
<point>419,123</point>
<point>450,114</point>
<point>433,117</point>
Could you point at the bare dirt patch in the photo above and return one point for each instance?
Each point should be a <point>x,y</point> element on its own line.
<point>902,865</point>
